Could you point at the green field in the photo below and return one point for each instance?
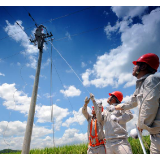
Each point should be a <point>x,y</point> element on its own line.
<point>82,148</point>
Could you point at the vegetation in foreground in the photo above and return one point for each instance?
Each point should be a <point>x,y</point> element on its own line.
<point>82,148</point>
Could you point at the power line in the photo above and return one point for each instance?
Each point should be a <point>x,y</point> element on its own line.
<point>30,16</point>
<point>70,67</point>
<point>50,20</point>
<point>68,14</point>
<point>14,20</point>
<point>10,56</point>
<point>90,30</point>
<point>66,96</point>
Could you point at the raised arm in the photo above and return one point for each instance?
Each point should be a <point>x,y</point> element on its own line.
<point>126,116</point>
<point>128,105</point>
<point>84,109</point>
<point>98,110</point>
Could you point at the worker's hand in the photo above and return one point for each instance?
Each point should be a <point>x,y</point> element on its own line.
<point>141,130</point>
<point>118,107</point>
<point>114,118</point>
<point>92,97</point>
<point>86,101</point>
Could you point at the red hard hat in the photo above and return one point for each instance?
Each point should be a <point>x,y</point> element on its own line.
<point>118,94</point>
<point>150,58</point>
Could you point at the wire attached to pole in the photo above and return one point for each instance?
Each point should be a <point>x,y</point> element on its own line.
<point>70,67</point>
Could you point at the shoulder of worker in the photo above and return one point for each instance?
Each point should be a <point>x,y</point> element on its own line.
<point>152,78</point>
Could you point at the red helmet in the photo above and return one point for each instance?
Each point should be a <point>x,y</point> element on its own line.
<point>118,94</point>
<point>150,58</point>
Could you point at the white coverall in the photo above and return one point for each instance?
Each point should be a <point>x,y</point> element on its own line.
<point>97,149</point>
<point>116,136</point>
<point>149,110</point>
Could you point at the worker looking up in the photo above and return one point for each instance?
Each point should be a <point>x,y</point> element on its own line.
<point>115,124</point>
<point>95,131</point>
<point>147,98</point>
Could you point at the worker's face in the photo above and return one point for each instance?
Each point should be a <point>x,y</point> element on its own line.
<point>135,69</point>
<point>111,100</point>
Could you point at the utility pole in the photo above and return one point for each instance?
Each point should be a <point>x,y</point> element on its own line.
<point>40,39</point>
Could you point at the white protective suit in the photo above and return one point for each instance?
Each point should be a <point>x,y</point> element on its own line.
<point>149,107</point>
<point>96,149</point>
<point>116,136</point>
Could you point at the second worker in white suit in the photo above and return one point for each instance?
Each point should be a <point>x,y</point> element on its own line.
<point>115,124</point>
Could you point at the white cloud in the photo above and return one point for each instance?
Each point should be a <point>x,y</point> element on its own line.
<point>71,91</point>
<point>69,71</point>
<point>40,137</point>
<point>47,95</point>
<point>85,77</point>
<point>128,11</point>
<point>115,68</point>
<point>14,134</point>
<point>71,136</point>
<point>1,74</point>
<point>19,101</point>
<point>23,39</point>
<point>14,99</point>
<point>68,35</point>
<point>46,63</point>
<point>44,115</point>
<point>83,64</point>
<point>78,117</point>
<point>32,77</point>
<point>18,64</point>
<point>43,76</point>
<point>21,36</point>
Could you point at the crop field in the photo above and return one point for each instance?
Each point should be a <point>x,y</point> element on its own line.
<point>82,148</point>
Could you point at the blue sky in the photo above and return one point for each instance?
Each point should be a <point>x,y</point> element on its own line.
<point>102,58</point>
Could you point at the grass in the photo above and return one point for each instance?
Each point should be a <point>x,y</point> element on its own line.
<point>72,149</point>
<point>82,148</point>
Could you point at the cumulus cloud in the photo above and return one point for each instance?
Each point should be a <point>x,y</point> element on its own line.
<point>114,68</point>
<point>44,115</point>
<point>78,117</point>
<point>22,38</point>
<point>1,74</point>
<point>19,101</point>
<point>71,136</point>
<point>128,11</point>
<point>14,134</point>
<point>14,99</point>
<point>71,91</point>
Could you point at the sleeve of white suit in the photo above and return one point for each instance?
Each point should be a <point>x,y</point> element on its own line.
<point>126,116</point>
<point>99,115</point>
<point>150,105</point>
<point>85,113</point>
<point>130,104</point>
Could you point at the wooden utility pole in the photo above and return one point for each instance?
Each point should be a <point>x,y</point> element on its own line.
<point>40,39</point>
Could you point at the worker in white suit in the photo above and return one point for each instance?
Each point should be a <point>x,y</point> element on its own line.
<point>115,124</point>
<point>147,98</point>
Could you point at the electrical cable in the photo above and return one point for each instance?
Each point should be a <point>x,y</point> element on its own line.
<point>76,34</point>
<point>66,96</point>
<point>70,67</point>
<point>50,20</point>
<point>14,20</point>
